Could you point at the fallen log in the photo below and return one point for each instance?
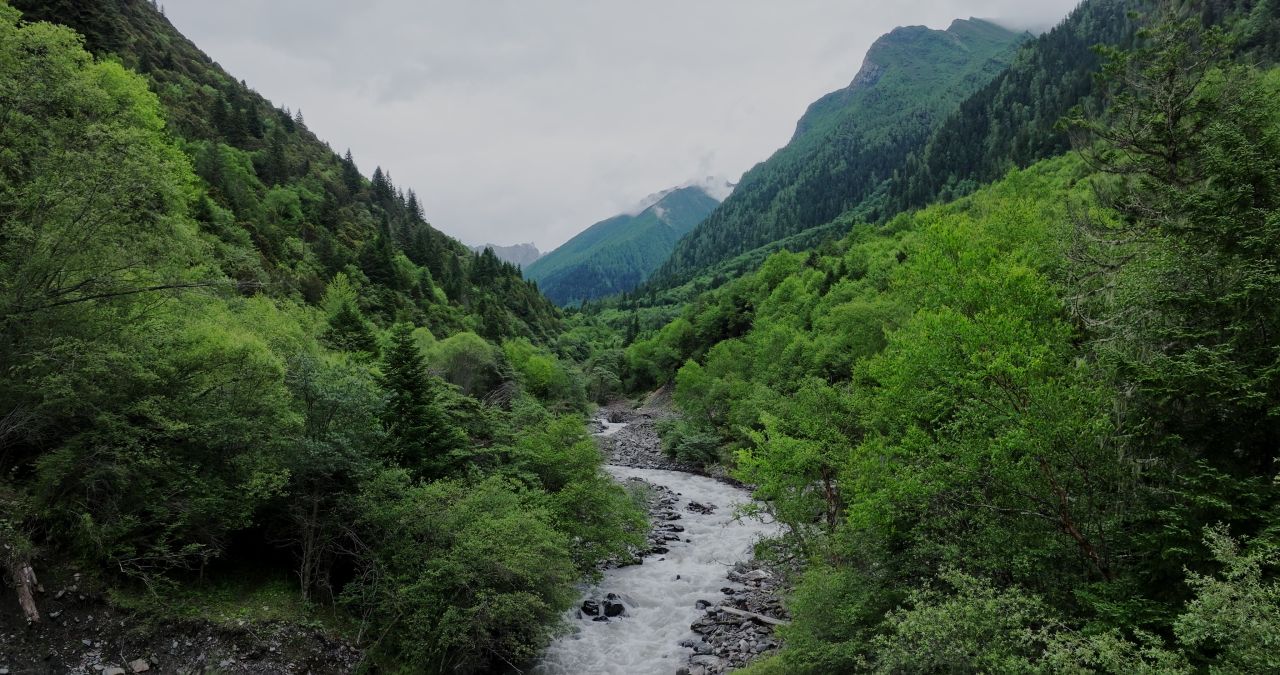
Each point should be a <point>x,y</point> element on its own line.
<point>24,582</point>
<point>752,615</point>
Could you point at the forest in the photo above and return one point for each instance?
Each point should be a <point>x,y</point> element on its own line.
<point>224,354</point>
<point>1010,388</point>
<point>1032,429</point>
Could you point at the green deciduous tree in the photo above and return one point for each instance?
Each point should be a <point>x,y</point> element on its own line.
<point>462,577</point>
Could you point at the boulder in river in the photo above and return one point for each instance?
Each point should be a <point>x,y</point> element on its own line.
<point>613,607</point>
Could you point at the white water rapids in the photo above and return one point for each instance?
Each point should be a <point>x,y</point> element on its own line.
<point>660,595</point>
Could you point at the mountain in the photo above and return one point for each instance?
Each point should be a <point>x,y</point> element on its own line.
<point>304,212</point>
<point>1012,120</point>
<point>520,255</point>
<point>850,141</point>
<point>620,253</point>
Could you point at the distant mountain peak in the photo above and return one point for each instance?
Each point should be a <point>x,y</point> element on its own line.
<point>716,187</point>
<point>516,254</point>
<point>619,253</point>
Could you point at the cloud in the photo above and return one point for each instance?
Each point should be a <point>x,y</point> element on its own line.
<point>522,119</point>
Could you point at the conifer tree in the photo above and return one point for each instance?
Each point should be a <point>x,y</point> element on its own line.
<point>349,331</point>
<point>351,177</point>
<point>415,207</point>
<point>422,436</point>
<point>377,258</point>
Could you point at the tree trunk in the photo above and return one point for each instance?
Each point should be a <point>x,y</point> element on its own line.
<point>832,499</point>
<point>1068,523</point>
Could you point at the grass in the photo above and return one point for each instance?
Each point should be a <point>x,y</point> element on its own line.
<point>233,601</point>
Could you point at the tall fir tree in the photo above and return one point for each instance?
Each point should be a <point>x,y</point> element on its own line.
<point>351,177</point>
<point>421,433</point>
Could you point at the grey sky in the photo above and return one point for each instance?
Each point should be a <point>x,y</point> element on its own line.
<point>528,120</point>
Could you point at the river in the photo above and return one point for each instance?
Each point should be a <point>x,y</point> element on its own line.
<point>661,595</point>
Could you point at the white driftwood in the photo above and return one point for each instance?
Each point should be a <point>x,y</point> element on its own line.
<point>24,581</point>
<point>752,615</point>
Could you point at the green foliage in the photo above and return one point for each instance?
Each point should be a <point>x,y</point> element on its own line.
<point>180,390</point>
<point>1012,120</point>
<point>687,443</point>
<point>588,505</point>
<point>421,433</point>
<point>1060,390</point>
<point>468,362</point>
<point>348,330</point>
<point>976,628</point>
<point>1049,389</point>
<point>542,374</point>
<point>308,213</point>
<point>463,575</point>
<point>1235,616</point>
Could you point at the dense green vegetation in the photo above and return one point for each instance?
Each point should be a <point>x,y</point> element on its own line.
<point>1032,427</point>
<point>1010,122</point>
<point>850,141</point>
<point>1031,430</point>
<point>224,354</point>
<point>616,255</point>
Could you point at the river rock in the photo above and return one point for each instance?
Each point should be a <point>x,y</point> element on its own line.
<point>705,509</point>
<point>706,661</point>
<point>613,607</point>
<point>591,608</point>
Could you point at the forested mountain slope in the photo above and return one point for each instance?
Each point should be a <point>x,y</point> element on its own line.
<point>620,253</point>
<point>974,143</point>
<point>236,374</point>
<point>1012,121</point>
<point>1031,429</point>
<point>306,210</point>
<point>851,140</point>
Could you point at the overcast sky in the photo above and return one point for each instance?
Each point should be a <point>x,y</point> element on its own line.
<point>529,120</point>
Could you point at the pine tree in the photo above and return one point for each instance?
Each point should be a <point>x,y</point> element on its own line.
<point>415,207</point>
<point>422,436</point>
<point>377,258</point>
<point>633,329</point>
<point>351,177</point>
<point>349,331</point>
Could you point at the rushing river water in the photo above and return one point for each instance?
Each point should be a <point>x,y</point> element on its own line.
<point>660,595</point>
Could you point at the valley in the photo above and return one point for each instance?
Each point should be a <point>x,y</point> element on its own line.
<point>977,373</point>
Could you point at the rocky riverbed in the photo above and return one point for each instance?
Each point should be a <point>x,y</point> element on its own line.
<point>635,442</point>
<point>697,604</point>
<point>739,627</point>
